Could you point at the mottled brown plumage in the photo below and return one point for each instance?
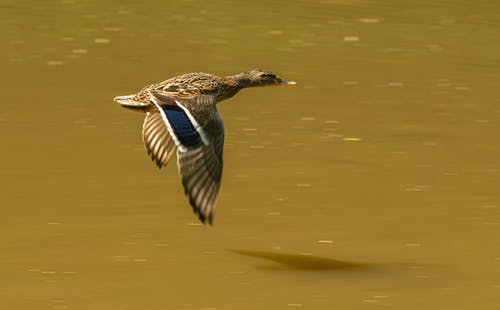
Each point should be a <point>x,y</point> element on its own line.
<point>181,114</point>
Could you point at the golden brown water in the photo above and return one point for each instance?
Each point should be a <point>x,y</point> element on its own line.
<point>374,182</point>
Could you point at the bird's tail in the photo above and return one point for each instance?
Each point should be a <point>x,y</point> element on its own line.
<point>129,102</point>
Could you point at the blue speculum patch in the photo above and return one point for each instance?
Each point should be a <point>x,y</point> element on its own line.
<point>182,126</point>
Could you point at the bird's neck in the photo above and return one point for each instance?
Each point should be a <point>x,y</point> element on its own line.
<point>231,85</point>
<point>242,80</point>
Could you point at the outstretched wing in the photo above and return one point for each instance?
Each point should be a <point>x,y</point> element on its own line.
<point>198,132</point>
<point>157,140</point>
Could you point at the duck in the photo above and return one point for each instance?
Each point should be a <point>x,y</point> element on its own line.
<point>182,118</point>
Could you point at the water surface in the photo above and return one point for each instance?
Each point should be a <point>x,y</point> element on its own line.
<point>374,182</point>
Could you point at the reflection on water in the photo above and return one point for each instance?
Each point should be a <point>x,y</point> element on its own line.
<point>386,151</point>
<point>304,262</point>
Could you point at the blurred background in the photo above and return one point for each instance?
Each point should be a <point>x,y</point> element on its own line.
<point>373,182</point>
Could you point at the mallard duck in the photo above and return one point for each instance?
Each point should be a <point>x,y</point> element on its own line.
<point>181,115</point>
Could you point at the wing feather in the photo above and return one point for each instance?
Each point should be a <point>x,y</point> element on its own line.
<point>156,139</point>
<point>197,130</point>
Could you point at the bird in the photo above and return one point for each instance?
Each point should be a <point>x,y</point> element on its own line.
<point>182,117</point>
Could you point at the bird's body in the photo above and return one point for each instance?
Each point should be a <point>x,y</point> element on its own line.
<point>181,115</point>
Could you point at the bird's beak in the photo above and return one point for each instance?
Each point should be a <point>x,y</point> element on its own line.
<point>285,82</point>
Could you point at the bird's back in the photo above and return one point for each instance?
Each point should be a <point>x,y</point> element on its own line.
<point>190,84</point>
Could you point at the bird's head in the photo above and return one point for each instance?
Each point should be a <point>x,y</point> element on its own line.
<point>261,77</point>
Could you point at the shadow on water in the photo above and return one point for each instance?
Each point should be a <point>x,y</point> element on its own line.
<point>304,262</point>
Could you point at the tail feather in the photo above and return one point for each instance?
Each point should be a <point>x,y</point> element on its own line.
<point>131,103</point>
